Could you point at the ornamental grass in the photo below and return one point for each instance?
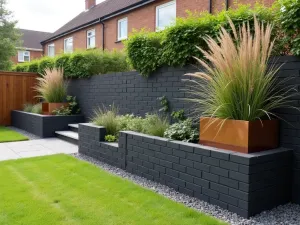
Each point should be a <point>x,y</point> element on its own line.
<point>52,87</point>
<point>238,81</point>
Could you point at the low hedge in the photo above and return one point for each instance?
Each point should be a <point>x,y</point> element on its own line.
<point>176,45</point>
<point>79,64</point>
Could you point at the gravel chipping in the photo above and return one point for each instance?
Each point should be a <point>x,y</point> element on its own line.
<point>25,133</point>
<point>288,214</point>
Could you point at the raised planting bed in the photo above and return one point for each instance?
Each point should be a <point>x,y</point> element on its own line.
<point>43,125</point>
<point>91,143</point>
<point>245,184</point>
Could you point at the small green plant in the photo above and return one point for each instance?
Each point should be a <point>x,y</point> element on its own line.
<point>110,138</point>
<point>155,125</point>
<point>33,108</point>
<point>71,109</point>
<point>52,87</point>
<point>182,131</point>
<point>165,104</point>
<point>131,123</point>
<point>178,115</point>
<point>28,107</point>
<point>107,117</point>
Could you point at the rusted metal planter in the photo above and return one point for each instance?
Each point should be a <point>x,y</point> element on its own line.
<point>239,135</point>
<point>48,108</point>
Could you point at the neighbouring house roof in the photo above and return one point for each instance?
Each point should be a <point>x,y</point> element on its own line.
<point>32,39</point>
<point>101,11</point>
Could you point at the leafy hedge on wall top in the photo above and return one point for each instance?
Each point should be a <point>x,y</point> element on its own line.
<point>79,64</point>
<point>175,46</point>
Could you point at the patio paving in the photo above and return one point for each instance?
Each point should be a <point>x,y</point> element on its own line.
<point>34,148</point>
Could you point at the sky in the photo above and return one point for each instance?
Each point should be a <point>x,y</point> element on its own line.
<point>45,15</point>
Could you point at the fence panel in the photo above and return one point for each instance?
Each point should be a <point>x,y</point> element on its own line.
<point>16,89</point>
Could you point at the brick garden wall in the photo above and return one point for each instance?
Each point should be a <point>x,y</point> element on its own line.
<point>241,183</point>
<point>133,93</point>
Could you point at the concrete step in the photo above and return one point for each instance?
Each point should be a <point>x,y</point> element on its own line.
<point>73,127</point>
<point>69,136</point>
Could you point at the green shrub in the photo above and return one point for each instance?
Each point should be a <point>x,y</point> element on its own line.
<point>28,107</point>
<point>182,131</point>
<point>289,18</point>
<point>79,64</point>
<point>144,51</point>
<point>155,125</point>
<point>21,67</point>
<point>62,62</point>
<point>175,46</point>
<point>45,63</point>
<point>33,66</point>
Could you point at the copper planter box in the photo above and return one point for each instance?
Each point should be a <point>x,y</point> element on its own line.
<point>239,135</point>
<point>48,108</point>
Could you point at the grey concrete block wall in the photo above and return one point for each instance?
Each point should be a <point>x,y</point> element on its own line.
<point>41,125</point>
<point>91,143</point>
<point>133,93</point>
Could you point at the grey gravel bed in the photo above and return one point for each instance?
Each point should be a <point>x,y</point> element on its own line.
<point>25,133</point>
<point>288,214</point>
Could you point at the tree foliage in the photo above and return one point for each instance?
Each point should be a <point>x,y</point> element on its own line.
<point>9,37</point>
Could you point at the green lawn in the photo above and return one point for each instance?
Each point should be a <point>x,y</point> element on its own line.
<point>60,189</point>
<point>8,135</point>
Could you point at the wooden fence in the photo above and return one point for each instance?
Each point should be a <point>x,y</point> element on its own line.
<point>16,89</point>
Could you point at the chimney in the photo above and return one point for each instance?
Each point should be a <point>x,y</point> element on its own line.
<point>89,4</point>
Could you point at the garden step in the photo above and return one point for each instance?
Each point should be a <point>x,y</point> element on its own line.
<point>69,136</point>
<point>73,127</point>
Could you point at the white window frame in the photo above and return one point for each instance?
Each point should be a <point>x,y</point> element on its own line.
<point>88,37</point>
<point>51,45</point>
<point>119,29</point>
<point>163,6</point>
<point>21,59</point>
<point>65,44</point>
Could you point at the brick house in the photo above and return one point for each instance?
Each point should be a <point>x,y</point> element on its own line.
<point>31,48</point>
<point>106,24</point>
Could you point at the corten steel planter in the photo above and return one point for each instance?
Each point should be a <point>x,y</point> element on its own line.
<point>239,135</point>
<point>48,108</point>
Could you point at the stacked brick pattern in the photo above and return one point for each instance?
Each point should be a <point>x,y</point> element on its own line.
<point>91,143</point>
<point>244,184</point>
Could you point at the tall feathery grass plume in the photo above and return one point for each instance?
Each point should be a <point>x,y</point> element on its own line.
<point>52,87</point>
<point>239,80</point>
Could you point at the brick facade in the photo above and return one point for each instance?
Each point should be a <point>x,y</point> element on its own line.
<point>33,55</point>
<point>143,17</point>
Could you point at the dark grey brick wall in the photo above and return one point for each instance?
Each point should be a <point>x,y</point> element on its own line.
<point>43,126</point>
<point>241,183</point>
<point>91,143</point>
<point>244,184</point>
<point>133,93</point>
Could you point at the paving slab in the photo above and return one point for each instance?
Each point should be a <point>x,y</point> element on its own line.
<point>34,148</point>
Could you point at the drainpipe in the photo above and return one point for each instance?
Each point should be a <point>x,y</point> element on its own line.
<point>227,4</point>
<point>210,6</point>
<point>103,32</point>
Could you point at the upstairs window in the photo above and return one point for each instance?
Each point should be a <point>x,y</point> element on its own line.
<point>51,50</point>
<point>91,39</point>
<point>68,45</point>
<point>23,56</point>
<point>165,15</point>
<point>122,29</point>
